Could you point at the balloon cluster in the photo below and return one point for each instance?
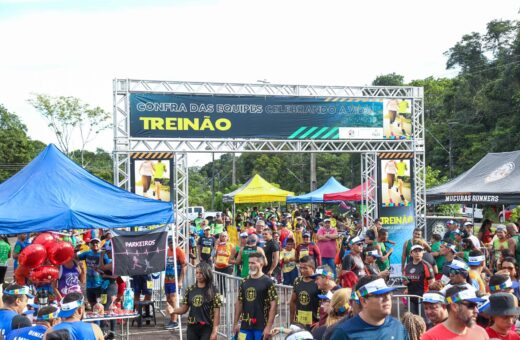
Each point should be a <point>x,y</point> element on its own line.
<point>43,250</point>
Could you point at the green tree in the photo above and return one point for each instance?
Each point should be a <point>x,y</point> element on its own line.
<point>16,148</point>
<point>391,79</point>
<point>68,117</point>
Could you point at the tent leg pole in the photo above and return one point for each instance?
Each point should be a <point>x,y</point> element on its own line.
<point>174,233</point>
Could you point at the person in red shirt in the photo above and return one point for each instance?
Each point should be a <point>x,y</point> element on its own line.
<point>504,310</point>
<point>462,316</point>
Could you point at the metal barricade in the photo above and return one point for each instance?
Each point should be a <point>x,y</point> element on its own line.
<point>228,286</point>
<point>402,303</point>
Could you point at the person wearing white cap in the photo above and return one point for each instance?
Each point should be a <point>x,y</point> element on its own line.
<point>407,246</point>
<point>434,304</point>
<point>476,264</point>
<point>462,314</point>
<point>72,310</point>
<point>374,320</point>
<point>352,262</point>
<point>458,276</point>
<point>419,275</point>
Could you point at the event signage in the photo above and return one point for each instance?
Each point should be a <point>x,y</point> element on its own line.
<point>396,204</point>
<point>139,253</point>
<point>268,117</point>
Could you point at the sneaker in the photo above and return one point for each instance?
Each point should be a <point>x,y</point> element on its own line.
<point>172,325</point>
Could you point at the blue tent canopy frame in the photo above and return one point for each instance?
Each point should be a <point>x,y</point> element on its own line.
<point>54,193</point>
<point>316,196</point>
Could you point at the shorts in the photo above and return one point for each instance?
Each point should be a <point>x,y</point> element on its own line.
<point>139,284</point>
<point>289,277</point>
<point>169,288</point>
<point>93,294</point>
<point>3,270</point>
<point>252,334</point>
<point>158,180</point>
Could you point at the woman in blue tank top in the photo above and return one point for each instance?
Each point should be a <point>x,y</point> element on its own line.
<point>72,310</point>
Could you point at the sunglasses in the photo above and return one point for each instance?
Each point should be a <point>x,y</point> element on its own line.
<point>359,244</point>
<point>508,268</point>
<point>469,305</point>
<point>455,272</point>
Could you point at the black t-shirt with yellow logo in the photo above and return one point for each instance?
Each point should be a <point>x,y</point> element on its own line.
<point>256,296</point>
<point>201,309</point>
<point>307,301</point>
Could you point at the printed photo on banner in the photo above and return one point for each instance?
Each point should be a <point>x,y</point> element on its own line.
<point>396,188</point>
<point>152,179</point>
<point>397,119</point>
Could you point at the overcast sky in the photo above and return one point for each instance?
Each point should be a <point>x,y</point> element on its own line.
<point>75,48</point>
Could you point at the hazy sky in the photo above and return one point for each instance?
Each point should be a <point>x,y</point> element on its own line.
<point>76,48</point>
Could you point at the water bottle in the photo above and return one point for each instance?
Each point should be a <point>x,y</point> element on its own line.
<point>128,300</point>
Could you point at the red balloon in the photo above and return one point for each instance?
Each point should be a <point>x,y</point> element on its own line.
<point>43,239</point>
<point>59,252</point>
<point>44,274</point>
<point>32,256</point>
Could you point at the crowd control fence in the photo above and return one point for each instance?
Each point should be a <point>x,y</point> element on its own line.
<point>228,286</point>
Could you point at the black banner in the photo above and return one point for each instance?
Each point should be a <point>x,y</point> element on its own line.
<point>138,253</point>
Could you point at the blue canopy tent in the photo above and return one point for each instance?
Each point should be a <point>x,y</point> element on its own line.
<point>316,196</point>
<point>53,193</point>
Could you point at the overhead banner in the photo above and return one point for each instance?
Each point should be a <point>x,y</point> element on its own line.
<point>396,204</point>
<point>268,117</point>
<point>139,253</point>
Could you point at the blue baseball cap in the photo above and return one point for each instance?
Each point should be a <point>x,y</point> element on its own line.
<point>464,295</point>
<point>434,297</point>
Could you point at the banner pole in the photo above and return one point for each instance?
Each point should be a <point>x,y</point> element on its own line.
<point>174,235</point>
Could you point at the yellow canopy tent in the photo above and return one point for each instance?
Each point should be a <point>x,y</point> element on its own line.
<point>256,190</point>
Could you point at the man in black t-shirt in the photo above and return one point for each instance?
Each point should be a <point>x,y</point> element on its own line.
<point>206,245</point>
<point>419,275</point>
<point>272,253</point>
<point>305,303</point>
<point>255,308</point>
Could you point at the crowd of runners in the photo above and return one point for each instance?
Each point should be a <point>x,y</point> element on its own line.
<point>464,282</point>
<point>462,285</point>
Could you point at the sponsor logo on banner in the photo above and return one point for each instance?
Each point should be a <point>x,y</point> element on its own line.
<point>472,198</point>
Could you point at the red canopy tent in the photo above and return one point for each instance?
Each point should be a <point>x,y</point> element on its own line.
<point>354,194</point>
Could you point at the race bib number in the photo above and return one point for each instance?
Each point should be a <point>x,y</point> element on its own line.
<point>242,336</point>
<point>149,284</point>
<point>304,317</point>
<point>304,253</point>
<point>206,250</point>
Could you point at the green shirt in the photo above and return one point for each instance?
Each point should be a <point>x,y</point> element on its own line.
<point>5,250</point>
<point>383,265</point>
<point>439,259</point>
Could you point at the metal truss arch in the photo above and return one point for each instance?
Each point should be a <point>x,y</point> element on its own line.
<point>124,144</point>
